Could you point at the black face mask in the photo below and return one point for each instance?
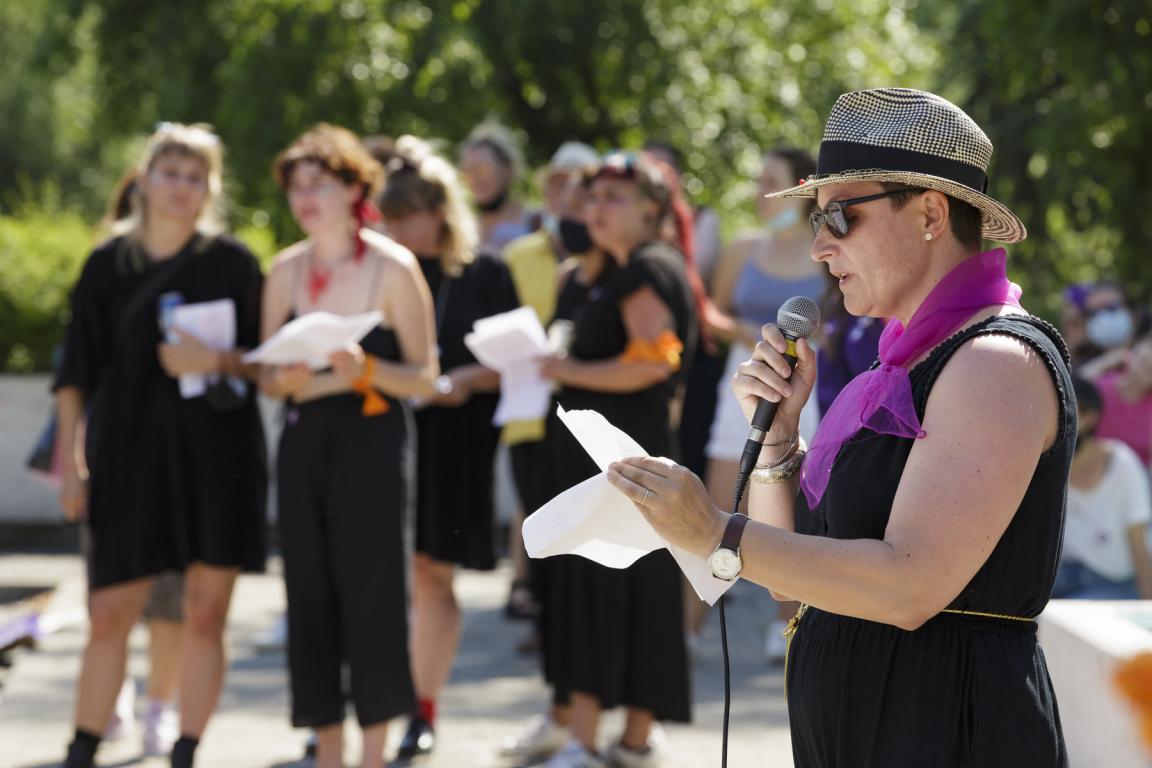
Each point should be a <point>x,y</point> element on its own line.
<point>495,203</point>
<point>574,236</point>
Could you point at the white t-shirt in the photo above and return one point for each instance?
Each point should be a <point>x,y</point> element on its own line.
<point>1098,519</point>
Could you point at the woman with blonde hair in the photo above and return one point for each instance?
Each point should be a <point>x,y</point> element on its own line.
<point>424,209</point>
<point>165,481</point>
<point>345,456</point>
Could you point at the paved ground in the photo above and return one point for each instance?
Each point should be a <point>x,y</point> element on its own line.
<point>493,689</point>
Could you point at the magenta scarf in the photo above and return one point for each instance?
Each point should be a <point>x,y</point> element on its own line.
<point>881,399</point>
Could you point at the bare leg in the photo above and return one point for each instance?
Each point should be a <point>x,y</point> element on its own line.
<point>637,728</point>
<point>585,719</point>
<point>207,595</point>
<point>375,738</point>
<point>330,746</point>
<point>435,632</point>
<point>112,612</point>
<point>164,640</point>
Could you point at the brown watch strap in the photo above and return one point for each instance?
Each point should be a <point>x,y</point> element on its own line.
<point>733,531</point>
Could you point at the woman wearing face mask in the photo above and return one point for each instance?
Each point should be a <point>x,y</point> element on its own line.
<point>1105,555</point>
<point>546,733</point>
<point>165,482</point>
<point>424,210</point>
<point>345,461</point>
<point>490,164</point>
<point>758,273</point>
<point>616,636</point>
<point>1109,326</point>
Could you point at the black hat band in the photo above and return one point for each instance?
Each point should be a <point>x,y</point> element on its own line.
<point>849,156</point>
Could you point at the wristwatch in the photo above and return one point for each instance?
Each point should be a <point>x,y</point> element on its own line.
<point>725,560</point>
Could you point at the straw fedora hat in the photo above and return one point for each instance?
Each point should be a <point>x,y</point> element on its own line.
<point>910,137</point>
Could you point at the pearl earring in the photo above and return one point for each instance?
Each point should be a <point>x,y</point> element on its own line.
<point>927,235</point>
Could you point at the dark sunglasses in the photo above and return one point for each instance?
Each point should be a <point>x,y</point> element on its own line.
<point>833,213</point>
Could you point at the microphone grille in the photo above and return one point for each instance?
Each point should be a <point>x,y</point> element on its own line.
<point>798,317</point>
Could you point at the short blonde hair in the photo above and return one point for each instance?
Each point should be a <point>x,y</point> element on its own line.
<point>197,141</point>
<point>420,181</point>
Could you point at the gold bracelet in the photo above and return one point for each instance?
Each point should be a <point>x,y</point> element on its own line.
<point>797,445</point>
<point>778,473</point>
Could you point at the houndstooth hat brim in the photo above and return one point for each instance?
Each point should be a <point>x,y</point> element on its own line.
<point>915,138</point>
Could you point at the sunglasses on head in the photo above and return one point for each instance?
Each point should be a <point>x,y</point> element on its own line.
<point>833,214</point>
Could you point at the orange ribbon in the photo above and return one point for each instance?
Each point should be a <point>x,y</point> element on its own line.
<point>1134,678</point>
<point>374,402</point>
<point>666,349</point>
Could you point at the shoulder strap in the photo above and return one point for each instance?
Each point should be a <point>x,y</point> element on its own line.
<point>149,290</point>
<point>374,291</point>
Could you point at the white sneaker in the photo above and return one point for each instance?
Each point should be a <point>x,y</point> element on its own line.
<point>161,730</point>
<point>775,644</point>
<point>620,756</point>
<point>575,755</point>
<point>123,717</point>
<point>540,737</point>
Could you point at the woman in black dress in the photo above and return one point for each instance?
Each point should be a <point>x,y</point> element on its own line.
<point>927,536</point>
<point>424,210</point>
<point>615,637</point>
<point>165,482</point>
<point>345,461</point>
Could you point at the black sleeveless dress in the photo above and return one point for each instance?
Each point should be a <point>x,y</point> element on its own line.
<point>456,447</point>
<point>619,634</point>
<point>960,690</point>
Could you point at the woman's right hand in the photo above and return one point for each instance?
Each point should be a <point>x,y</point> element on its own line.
<point>767,376</point>
<point>289,380</point>
<point>73,495</point>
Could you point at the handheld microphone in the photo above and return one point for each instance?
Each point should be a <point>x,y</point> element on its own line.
<point>798,318</point>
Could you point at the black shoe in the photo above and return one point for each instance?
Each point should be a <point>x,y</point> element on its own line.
<point>419,740</point>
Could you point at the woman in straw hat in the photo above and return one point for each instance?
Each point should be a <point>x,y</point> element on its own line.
<point>926,537</point>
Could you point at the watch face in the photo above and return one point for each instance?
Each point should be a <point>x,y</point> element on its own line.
<point>725,564</point>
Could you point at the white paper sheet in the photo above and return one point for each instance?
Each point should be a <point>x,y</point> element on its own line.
<point>596,521</point>
<point>311,338</point>
<point>214,324</point>
<point>512,343</point>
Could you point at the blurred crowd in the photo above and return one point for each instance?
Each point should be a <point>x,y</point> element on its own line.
<point>388,458</point>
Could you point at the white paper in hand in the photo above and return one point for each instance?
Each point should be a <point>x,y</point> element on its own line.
<point>213,323</point>
<point>512,343</point>
<point>596,521</point>
<point>311,338</point>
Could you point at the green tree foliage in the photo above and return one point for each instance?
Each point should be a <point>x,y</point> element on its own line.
<point>1064,88</point>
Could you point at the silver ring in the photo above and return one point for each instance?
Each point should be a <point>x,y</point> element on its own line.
<point>646,492</point>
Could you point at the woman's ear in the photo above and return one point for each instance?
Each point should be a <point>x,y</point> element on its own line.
<point>934,209</point>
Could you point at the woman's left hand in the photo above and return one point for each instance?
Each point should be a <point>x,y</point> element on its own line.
<point>187,356</point>
<point>673,501</point>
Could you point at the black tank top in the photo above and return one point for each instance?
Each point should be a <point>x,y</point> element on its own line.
<point>1017,578</point>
